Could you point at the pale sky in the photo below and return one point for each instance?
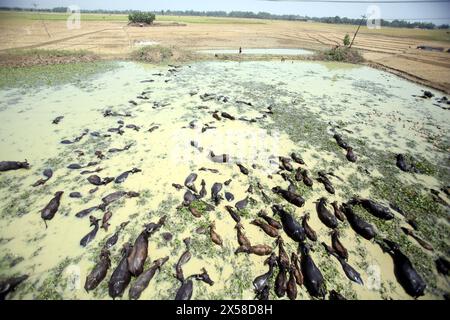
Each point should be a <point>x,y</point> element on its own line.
<point>435,12</point>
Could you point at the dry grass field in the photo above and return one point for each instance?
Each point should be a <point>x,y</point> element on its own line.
<point>110,36</point>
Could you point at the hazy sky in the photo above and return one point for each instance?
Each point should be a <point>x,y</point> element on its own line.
<point>424,11</point>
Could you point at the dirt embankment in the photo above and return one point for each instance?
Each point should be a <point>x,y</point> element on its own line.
<point>28,58</point>
<point>160,54</point>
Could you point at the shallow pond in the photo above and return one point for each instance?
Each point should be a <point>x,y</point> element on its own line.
<point>377,113</point>
<point>287,52</point>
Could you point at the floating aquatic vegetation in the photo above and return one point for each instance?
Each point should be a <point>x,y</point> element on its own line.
<point>302,118</point>
<point>39,76</point>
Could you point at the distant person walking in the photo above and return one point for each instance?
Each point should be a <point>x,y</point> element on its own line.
<point>240,50</point>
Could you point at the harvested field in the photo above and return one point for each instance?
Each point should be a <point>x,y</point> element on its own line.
<point>109,36</point>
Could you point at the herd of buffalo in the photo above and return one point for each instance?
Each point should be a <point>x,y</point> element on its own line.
<point>286,271</point>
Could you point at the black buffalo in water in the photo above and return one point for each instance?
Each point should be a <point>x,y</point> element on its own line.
<point>340,141</point>
<point>75,195</point>
<point>187,286</point>
<point>121,276</point>
<point>292,228</point>
<point>243,169</point>
<point>325,214</point>
<point>227,116</point>
<point>306,178</point>
<point>402,164</point>
<point>111,241</point>
<point>185,291</point>
<point>233,214</point>
<point>184,258</point>
<point>139,253</point>
<point>188,197</point>
<point>97,181</point>
<point>289,196</point>
<point>85,212</point>
<point>334,295</point>
<point>299,174</point>
<point>57,119</point>
<point>261,283</point>
<point>143,280</point>
<point>91,235</point>
<point>215,189</point>
<point>361,227</point>
<point>351,155</point>
<point>9,285</point>
<point>374,208</point>
<point>203,191</point>
<point>297,158</point>
<point>204,276</point>
<point>98,273</point>
<point>190,180</point>
<point>313,279</point>
<point>219,158</point>
<point>123,176</point>
<point>351,273</point>
<point>112,197</point>
<point>337,211</point>
<point>274,223</point>
<point>76,139</point>
<point>13,165</point>
<point>442,265</point>
<point>422,242</point>
<point>242,204</point>
<point>51,208</point>
<point>281,281</point>
<point>76,166</point>
<point>310,233</point>
<point>229,196</point>
<point>48,173</point>
<point>326,182</point>
<point>286,164</point>
<point>404,271</point>
<point>337,245</point>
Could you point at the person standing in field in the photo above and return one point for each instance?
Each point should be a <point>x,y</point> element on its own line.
<point>240,50</point>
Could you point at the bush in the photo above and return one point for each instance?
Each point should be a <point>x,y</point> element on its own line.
<point>346,40</point>
<point>161,55</point>
<point>141,17</point>
<point>342,54</point>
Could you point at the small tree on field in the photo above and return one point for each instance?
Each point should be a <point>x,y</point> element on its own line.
<point>141,17</point>
<point>346,40</point>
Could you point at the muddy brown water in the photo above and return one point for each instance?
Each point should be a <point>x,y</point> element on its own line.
<point>373,106</point>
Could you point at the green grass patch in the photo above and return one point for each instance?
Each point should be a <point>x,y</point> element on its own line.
<point>209,20</point>
<point>37,76</point>
<point>49,16</point>
<point>41,53</point>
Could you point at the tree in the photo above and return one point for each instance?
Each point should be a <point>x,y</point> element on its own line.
<point>60,9</point>
<point>346,40</point>
<point>141,17</point>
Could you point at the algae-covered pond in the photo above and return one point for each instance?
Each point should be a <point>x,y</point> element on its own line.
<point>162,120</point>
